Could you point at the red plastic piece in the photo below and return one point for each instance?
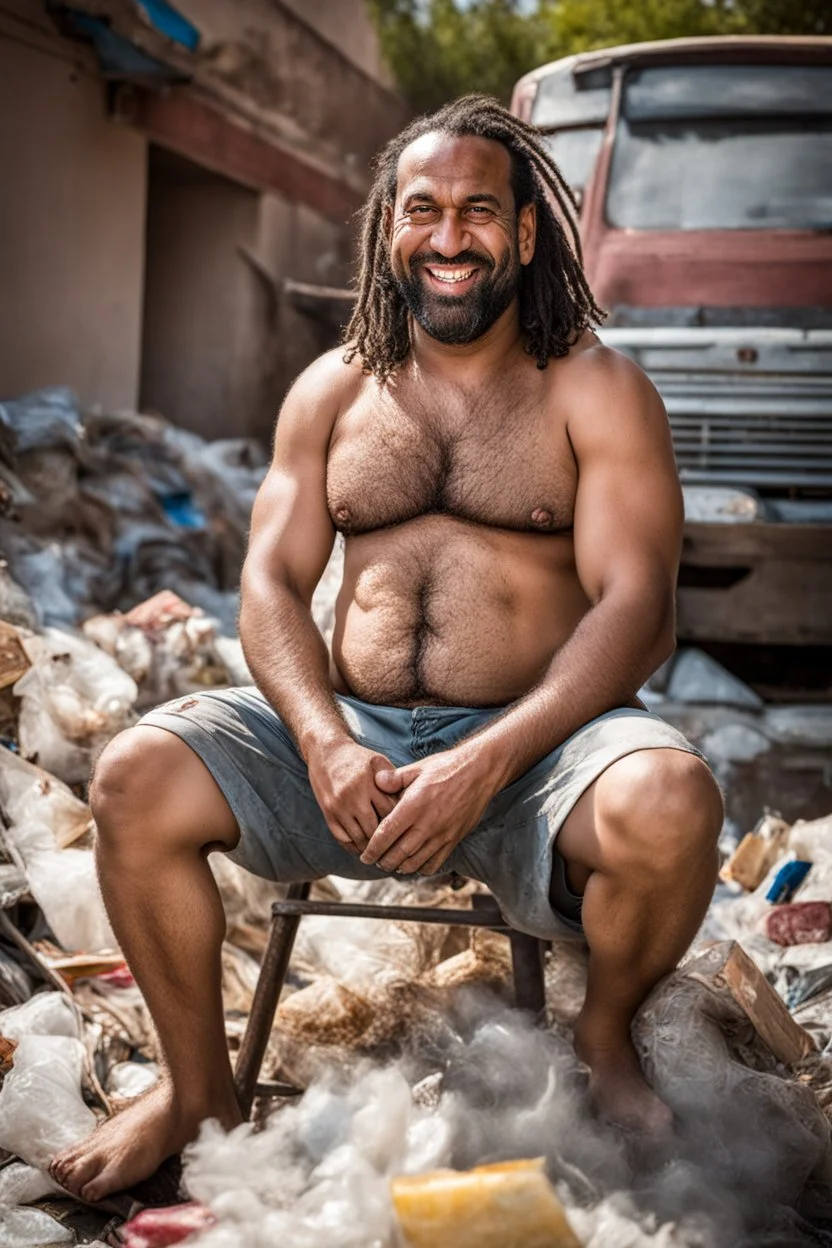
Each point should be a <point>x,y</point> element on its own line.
<point>800,923</point>
<point>157,1228</point>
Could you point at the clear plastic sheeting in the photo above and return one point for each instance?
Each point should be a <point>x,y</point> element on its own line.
<point>74,699</point>
<point>65,886</point>
<point>32,1228</point>
<point>45,1014</point>
<point>31,795</point>
<point>42,1110</point>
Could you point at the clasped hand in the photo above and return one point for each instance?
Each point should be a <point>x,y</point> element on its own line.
<point>404,819</point>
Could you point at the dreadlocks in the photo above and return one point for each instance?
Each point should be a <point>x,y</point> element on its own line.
<point>556,304</point>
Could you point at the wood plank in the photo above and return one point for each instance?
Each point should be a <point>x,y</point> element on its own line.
<point>727,968</point>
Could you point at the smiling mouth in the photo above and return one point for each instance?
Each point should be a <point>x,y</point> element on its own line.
<point>451,277</point>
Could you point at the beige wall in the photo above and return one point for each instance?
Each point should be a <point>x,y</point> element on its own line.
<point>346,24</point>
<point>221,342</point>
<point>71,226</point>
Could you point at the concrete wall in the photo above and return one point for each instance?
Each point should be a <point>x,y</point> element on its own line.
<point>346,24</point>
<point>71,223</point>
<point>221,342</point>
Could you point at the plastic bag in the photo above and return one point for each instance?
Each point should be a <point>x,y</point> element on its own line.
<point>507,1205</point>
<point>44,418</point>
<point>42,1111</point>
<point>31,1228</point>
<point>74,699</point>
<point>30,795</point>
<point>65,886</point>
<point>46,1014</point>
<point>131,1078</point>
<point>22,1185</point>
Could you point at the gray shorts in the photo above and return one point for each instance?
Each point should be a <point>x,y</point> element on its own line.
<point>283,835</point>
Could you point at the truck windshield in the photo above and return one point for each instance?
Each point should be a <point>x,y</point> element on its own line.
<point>744,147</point>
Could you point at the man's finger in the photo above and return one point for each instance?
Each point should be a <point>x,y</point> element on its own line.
<point>386,834</point>
<point>393,780</point>
<point>360,834</point>
<point>413,842</point>
<point>344,839</point>
<point>383,803</point>
<point>437,861</point>
<point>416,861</point>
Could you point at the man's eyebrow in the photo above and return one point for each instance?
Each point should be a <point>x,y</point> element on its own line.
<point>479,197</point>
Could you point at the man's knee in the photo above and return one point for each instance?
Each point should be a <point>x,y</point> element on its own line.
<point>149,789</point>
<point>659,810</point>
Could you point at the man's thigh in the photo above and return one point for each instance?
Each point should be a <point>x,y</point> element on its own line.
<point>519,843</point>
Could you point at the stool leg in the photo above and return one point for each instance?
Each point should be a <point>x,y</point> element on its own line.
<point>266,996</point>
<point>527,964</point>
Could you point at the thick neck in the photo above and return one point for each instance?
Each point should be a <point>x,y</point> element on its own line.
<point>469,361</point>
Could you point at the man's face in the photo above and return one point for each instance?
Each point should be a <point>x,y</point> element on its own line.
<point>457,243</point>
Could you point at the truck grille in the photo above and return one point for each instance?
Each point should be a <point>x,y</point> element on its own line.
<point>747,408</point>
<point>772,441</point>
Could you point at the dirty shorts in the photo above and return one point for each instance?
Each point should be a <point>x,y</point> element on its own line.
<point>283,835</point>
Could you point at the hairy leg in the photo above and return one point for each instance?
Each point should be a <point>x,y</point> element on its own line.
<point>641,842</point>
<point>158,811</point>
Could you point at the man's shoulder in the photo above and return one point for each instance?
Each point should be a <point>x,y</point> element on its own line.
<point>329,380</point>
<point>597,383</point>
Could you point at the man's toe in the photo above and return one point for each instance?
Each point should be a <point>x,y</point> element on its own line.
<point>79,1174</point>
<point>99,1186</point>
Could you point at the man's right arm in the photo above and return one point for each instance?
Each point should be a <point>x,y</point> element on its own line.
<point>290,542</point>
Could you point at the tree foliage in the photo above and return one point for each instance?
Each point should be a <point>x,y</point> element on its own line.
<point>438,49</point>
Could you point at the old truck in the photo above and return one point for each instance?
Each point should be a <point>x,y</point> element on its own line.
<point>703,173</point>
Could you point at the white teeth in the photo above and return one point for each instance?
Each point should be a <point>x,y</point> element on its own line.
<point>452,275</point>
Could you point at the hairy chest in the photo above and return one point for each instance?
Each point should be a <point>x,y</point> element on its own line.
<point>497,459</point>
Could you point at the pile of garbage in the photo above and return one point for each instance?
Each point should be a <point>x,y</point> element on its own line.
<point>433,1112</point>
<point>99,511</point>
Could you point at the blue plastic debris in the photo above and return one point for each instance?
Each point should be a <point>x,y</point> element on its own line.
<point>183,511</point>
<point>787,881</point>
<point>166,19</point>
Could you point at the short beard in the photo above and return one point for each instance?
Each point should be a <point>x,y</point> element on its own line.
<point>456,320</point>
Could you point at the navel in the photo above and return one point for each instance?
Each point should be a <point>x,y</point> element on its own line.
<point>542,517</point>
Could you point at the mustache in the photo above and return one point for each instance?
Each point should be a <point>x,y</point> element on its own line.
<point>459,260</point>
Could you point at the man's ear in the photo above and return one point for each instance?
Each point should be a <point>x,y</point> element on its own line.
<point>387,220</point>
<point>527,232</point>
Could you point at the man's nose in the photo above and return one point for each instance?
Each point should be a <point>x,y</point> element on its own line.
<point>450,235</point>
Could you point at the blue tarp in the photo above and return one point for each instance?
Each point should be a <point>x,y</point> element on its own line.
<point>166,19</point>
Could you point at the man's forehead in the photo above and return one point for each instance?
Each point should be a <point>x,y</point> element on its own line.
<point>442,158</point>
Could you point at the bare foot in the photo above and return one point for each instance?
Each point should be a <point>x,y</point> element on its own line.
<point>130,1146</point>
<point>619,1092</point>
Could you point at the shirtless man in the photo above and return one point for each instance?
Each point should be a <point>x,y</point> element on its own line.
<point>507,490</point>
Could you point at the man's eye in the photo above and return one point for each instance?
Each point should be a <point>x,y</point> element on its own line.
<point>420,210</point>
<point>478,210</point>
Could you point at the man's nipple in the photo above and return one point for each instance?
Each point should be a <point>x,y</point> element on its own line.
<point>542,518</point>
<point>343,516</point>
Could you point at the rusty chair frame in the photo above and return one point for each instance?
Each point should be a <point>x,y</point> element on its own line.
<point>526,957</point>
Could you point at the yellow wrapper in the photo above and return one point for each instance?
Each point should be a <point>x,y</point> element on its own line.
<point>508,1205</point>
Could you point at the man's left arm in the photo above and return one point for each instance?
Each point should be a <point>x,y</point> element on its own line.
<point>627,534</point>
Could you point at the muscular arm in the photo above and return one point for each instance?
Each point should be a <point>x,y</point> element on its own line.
<point>627,534</point>
<point>290,542</point>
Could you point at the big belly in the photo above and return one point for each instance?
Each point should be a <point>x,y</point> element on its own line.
<point>444,612</point>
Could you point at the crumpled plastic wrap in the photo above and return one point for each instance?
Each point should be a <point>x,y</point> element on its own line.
<point>31,1228</point>
<point>31,795</point>
<point>74,699</point>
<point>42,1110</point>
<point>65,886</point>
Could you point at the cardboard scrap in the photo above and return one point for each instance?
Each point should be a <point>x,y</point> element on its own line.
<point>727,968</point>
<point>757,853</point>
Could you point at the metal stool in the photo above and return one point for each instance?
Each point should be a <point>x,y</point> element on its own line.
<point>526,958</point>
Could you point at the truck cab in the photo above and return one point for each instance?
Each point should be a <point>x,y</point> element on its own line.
<point>703,173</point>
